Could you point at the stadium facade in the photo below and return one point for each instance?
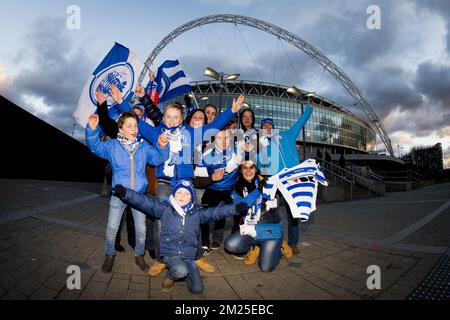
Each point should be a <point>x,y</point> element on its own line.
<point>331,127</point>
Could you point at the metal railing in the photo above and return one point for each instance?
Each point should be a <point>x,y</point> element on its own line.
<point>402,176</point>
<point>361,172</point>
<point>338,179</point>
<point>374,185</point>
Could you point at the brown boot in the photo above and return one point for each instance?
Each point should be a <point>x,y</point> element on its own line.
<point>294,248</point>
<point>204,265</point>
<point>167,284</point>
<point>140,261</point>
<point>287,250</point>
<point>252,256</point>
<point>156,269</point>
<point>108,264</point>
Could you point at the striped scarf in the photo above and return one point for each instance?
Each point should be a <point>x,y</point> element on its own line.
<point>129,145</point>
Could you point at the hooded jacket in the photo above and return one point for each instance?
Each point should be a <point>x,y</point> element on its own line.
<point>284,148</point>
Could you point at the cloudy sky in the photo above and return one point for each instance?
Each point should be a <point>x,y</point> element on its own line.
<point>403,68</point>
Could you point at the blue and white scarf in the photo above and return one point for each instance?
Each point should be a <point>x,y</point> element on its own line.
<point>129,145</point>
<point>175,144</point>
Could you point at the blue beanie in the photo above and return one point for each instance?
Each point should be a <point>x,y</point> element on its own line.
<point>186,184</point>
<point>267,120</point>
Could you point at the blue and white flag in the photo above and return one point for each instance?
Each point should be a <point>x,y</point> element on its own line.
<point>299,187</point>
<point>120,67</point>
<point>170,82</point>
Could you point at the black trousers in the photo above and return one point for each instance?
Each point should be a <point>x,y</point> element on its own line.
<point>212,198</point>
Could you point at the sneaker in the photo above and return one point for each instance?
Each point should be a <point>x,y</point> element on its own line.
<point>206,251</point>
<point>287,250</point>
<point>205,266</point>
<point>294,248</point>
<point>140,261</point>
<point>167,284</point>
<point>252,256</point>
<point>156,269</point>
<point>239,256</point>
<point>215,245</point>
<point>119,247</point>
<point>108,264</point>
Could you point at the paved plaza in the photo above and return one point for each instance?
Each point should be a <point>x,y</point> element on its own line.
<point>47,226</point>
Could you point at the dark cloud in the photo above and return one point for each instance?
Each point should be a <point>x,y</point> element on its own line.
<point>421,123</point>
<point>433,80</point>
<point>57,71</point>
<point>344,37</point>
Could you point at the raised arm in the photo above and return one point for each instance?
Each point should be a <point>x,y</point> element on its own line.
<point>93,142</point>
<point>295,129</point>
<point>224,118</point>
<point>151,109</point>
<point>108,125</point>
<point>141,201</point>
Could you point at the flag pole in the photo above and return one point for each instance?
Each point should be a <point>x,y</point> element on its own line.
<point>195,100</point>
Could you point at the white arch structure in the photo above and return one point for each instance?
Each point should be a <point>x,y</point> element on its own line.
<point>292,39</point>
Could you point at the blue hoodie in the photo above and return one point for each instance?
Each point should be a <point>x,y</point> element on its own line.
<point>286,151</point>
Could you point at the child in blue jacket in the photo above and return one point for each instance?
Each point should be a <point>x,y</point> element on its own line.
<point>180,221</point>
<point>128,156</point>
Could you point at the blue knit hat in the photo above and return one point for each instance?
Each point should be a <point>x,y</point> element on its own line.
<point>267,120</point>
<point>186,184</point>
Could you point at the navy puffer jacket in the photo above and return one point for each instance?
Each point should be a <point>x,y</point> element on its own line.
<point>178,237</point>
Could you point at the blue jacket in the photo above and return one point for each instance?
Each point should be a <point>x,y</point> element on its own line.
<point>212,161</point>
<point>286,152</point>
<point>184,162</point>
<point>178,239</point>
<point>128,169</point>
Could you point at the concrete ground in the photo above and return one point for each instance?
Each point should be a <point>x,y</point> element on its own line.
<point>47,226</point>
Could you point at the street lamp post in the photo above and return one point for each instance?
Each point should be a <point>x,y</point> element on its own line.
<point>209,72</point>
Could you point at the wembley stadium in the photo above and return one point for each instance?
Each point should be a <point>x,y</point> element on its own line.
<point>331,126</point>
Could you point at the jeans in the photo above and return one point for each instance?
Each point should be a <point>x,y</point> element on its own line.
<point>179,268</point>
<point>270,250</point>
<point>293,229</point>
<point>130,228</point>
<point>163,192</point>
<point>116,209</point>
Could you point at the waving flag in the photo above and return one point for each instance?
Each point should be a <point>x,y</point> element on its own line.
<point>121,68</point>
<point>169,83</point>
